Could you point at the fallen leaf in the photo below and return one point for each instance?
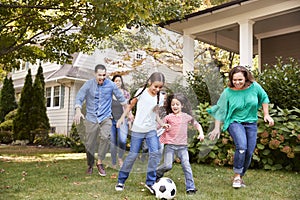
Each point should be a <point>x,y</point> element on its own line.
<point>113,176</point>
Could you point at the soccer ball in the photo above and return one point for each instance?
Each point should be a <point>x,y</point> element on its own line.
<point>165,188</point>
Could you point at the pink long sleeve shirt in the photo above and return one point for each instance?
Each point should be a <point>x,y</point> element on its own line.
<point>177,133</point>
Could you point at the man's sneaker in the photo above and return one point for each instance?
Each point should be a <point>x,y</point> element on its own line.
<point>150,188</point>
<point>101,170</point>
<point>191,192</point>
<point>243,183</point>
<point>119,187</point>
<point>89,171</point>
<point>237,182</point>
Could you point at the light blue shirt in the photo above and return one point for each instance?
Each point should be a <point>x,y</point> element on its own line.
<point>98,99</point>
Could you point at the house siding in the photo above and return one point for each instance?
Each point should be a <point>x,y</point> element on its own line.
<point>284,46</point>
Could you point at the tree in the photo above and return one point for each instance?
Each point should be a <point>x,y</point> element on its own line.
<point>39,118</point>
<point>32,30</point>
<point>22,123</point>
<point>7,99</point>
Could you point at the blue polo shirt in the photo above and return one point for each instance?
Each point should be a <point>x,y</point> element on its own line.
<point>98,99</point>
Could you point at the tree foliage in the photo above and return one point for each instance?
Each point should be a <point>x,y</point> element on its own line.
<point>51,30</point>
<point>39,116</point>
<point>22,123</point>
<point>7,99</point>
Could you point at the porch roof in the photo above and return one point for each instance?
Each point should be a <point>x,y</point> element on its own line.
<point>219,25</point>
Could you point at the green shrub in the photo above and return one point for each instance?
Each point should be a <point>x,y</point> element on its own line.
<point>6,134</point>
<point>278,146</point>
<point>77,138</point>
<point>6,137</point>
<point>281,83</point>
<point>59,140</point>
<point>218,152</point>
<point>207,84</point>
<point>75,141</point>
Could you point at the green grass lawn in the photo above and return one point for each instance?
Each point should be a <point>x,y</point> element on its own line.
<point>47,173</point>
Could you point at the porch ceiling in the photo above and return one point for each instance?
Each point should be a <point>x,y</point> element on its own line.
<point>219,25</point>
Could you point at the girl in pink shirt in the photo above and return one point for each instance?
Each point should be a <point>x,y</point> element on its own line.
<point>175,138</point>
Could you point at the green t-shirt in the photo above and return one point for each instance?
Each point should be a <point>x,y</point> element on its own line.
<point>239,105</point>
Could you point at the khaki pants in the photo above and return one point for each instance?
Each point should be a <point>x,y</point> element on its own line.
<point>97,135</point>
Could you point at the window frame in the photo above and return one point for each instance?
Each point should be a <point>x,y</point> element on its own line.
<point>53,97</point>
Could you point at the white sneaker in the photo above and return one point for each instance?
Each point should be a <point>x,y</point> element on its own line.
<point>150,188</point>
<point>119,187</point>
<point>237,182</point>
<point>243,183</point>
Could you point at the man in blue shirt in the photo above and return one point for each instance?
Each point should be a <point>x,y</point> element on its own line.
<point>97,94</point>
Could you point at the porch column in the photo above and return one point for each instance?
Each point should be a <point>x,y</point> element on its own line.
<point>246,42</point>
<point>188,54</point>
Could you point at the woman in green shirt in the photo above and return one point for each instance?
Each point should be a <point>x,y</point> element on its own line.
<point>237,109</point>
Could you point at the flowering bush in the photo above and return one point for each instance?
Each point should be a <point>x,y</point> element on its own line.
<point>283,147</point>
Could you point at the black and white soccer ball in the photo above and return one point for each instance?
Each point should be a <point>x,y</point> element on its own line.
<point>165,188</point>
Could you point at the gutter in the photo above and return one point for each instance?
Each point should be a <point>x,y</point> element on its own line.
<point>202,12</point>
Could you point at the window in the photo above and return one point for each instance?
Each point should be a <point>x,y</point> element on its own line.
<point>23,67</point>
<point>48,97</point>
<point>54,96</point>
<point>140,55</point>
<point>52,129</point>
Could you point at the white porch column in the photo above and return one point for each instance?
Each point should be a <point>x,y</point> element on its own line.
<point>188,54</point>
<point>246,42</point>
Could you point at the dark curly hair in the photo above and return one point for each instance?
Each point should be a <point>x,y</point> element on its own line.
<point>187,108</point>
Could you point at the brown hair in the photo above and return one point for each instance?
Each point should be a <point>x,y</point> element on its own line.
<point>247,74</point>
<point>156,76</point>
<point>122,82</point>
<point>187,108</point>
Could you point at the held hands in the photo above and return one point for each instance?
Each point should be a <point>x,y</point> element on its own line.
<point>166,126</point>
<point>214,134</point>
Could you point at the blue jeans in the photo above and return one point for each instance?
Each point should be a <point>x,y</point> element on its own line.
<point>244,137</point>
<point>183,155</point>
<point>118,139</point>
<point>135,146</point>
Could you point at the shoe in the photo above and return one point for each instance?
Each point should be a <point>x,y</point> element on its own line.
<point>101,170</point>
<point>243,183</point>
<point>89,171</point>
<point>191,192</point>
<point>237,182</point>
<point>119,187</point>
<point>150,188</point>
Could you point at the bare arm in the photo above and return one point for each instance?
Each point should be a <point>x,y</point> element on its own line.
<point>127,109</point>
<point>161,122</point>
<point>200,130</point>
